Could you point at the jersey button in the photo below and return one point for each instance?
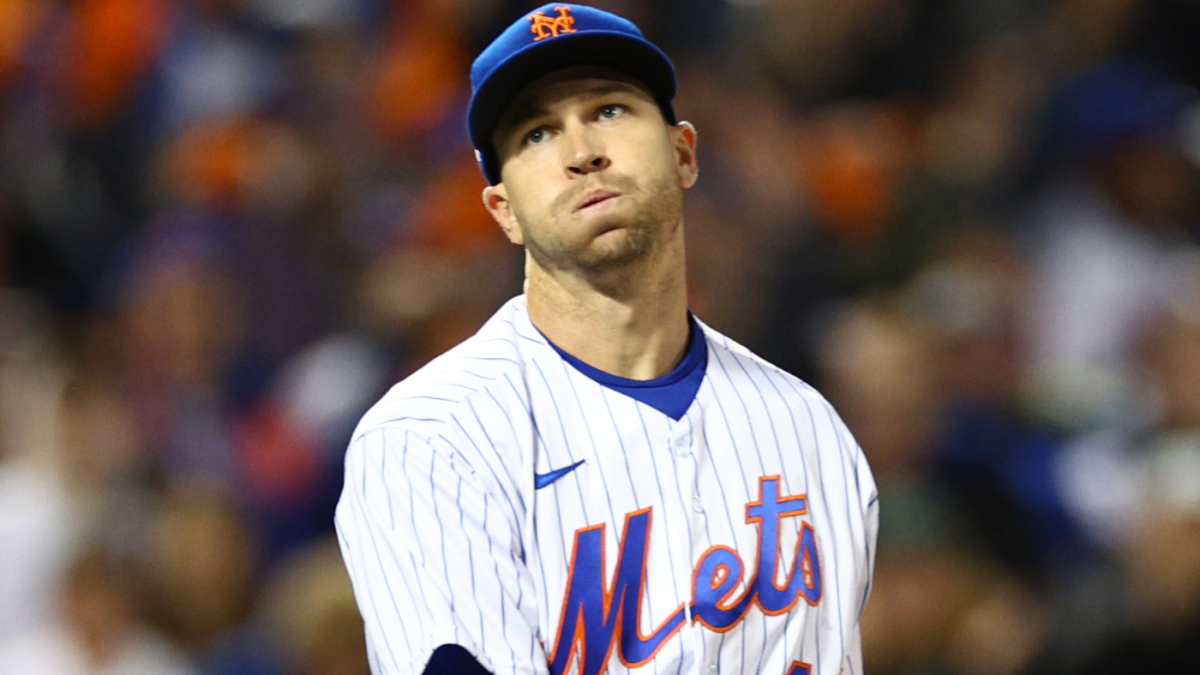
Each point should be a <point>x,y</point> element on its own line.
<point>712,668</point>
<point>697,505</point>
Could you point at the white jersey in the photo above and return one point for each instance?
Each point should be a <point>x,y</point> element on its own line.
<point>507,500</point>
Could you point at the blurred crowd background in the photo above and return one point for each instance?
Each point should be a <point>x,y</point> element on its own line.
<point>227,226</point>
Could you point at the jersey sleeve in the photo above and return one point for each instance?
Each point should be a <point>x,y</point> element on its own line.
<point>864,494</point>
<point>869,496</point>
<point>434,558</point>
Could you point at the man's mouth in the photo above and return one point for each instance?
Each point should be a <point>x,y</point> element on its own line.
<point>595,197</point>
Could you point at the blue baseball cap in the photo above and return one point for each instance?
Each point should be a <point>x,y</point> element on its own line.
<point>552,37</point>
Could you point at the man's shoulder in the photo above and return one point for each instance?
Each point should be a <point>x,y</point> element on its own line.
<point>742,365</point>
<point>427,400</point>
<point>745,374</point>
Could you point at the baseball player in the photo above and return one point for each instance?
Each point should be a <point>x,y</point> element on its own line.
<point>597,482</point>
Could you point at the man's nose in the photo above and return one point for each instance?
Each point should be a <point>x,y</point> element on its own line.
<point>585,152</point>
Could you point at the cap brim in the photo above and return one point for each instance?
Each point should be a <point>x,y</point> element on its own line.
<point>636,58</point>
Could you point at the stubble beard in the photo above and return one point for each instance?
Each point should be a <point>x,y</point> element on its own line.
<point>636,240</point>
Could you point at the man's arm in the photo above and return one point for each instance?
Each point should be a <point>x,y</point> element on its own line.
<point>431,555</point>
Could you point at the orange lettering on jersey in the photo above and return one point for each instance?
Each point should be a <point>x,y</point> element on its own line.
<point>550,26</point>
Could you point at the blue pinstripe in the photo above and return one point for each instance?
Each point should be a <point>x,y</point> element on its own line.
<point>516,518</point>
<point>762,471</point>
<point>374,607</point>
<point>786,483</point>
<point>441,539</point>
<point>662,500</point>
<point>795,430</point>
<point>745,481</point>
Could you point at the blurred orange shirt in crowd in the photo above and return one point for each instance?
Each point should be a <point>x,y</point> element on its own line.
<point>108,46</point>
<point>419,73</point>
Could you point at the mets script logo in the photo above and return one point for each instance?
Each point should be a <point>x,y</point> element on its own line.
<point>550,26</point>
<point>598,617</point>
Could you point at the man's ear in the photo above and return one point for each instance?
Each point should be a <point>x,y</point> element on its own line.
<point>495,198</point>
<point>683,137</point>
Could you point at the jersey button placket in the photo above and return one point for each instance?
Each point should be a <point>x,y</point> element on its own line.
<point>682,446</point>
<point>687,474</point>
<point>683,449</point>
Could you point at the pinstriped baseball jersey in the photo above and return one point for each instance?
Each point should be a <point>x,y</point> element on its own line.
<point>511,500</point>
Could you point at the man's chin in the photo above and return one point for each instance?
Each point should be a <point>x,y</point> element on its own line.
<point>615,249</point>
<point>606,248</point>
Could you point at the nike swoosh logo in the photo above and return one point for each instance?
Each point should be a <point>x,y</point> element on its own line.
<point>541,480</point>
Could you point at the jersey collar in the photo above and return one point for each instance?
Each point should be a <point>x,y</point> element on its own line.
<point>671,394</point>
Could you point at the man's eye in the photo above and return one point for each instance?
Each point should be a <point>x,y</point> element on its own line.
<point>612,110</point>
<point>536,136</point>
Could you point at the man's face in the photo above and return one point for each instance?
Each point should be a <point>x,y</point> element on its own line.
<point>592,176</point>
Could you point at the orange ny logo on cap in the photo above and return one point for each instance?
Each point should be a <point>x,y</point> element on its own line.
<point>545,26</point>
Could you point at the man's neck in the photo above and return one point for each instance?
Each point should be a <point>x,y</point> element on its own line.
<point>636,327</point>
